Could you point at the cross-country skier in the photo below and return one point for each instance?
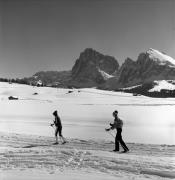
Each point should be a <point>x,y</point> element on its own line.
<point>58,129</point>
<point>118,124</point>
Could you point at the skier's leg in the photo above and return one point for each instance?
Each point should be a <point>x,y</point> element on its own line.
<point>61,136</point>
<point>56,133</point>
<point>116,144</point>
<point>123,145</point>
<point>64,140</point>
<point>56,139</point>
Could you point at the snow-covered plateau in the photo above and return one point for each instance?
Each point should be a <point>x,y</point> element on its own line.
<point>163,84</point>
<point>26,137</point>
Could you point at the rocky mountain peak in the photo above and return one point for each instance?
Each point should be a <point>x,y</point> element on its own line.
<point>150,65</point>
<point>91,66</point>
<point>160,57</point>
<point>89,54</point>
<point>129,61</point>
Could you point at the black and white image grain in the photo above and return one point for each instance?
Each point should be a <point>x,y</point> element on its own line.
<point>87,89</point>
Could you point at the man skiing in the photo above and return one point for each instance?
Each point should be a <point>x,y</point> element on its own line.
<point>118,124</point>
<point>58,129</point>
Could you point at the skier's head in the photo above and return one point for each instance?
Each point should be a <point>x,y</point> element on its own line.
<point>55,113</point>
<point>115,113</point>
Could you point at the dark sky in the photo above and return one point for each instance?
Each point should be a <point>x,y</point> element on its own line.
<point>40,35</point>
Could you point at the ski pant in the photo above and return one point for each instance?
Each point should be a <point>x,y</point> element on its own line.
<point>118,139</point>
<point>58,130</point>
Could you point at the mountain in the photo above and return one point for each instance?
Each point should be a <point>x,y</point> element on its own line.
<point>151,65</point>
<point>93,68</point>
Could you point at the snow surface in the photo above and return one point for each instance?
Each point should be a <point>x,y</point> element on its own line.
<point>35,157</point>
<point>86,113</point>
<point>26,150</point>
<point>160,57</point>
<point>162,85</point>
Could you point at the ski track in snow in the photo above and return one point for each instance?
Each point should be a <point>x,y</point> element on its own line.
<point>21,152</point>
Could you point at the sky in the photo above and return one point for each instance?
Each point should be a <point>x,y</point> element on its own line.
<point>44,35</point>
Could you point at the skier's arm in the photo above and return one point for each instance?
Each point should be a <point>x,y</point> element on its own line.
<point>111,124</point>
<point>54,122</point>
<point>112,127</point>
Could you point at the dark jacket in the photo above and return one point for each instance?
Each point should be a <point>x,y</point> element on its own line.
<point>118,123</point>
<point>57,121</point>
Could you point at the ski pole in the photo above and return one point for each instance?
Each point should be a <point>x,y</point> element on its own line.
<point>111,134</point>
<point>52,126</point>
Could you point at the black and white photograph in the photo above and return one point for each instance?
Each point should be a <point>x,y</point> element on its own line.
<point>87,89</point>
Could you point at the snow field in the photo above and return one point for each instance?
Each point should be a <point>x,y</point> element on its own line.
<point>22,152</point>
<point>26,138</point>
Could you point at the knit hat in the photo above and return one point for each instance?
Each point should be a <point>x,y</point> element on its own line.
<point>55,113</point>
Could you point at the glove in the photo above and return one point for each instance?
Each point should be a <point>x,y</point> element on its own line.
<point>51,124</point>
<point>107,129</point>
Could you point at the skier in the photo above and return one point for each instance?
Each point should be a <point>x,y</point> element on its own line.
<point>118,124</point>
<point>58,125</point>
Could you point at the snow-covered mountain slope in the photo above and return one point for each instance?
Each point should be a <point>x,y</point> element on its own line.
<point>163,85</point>
<point>161,58</point>
<point>161,88</point>
<point>157,86</point>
